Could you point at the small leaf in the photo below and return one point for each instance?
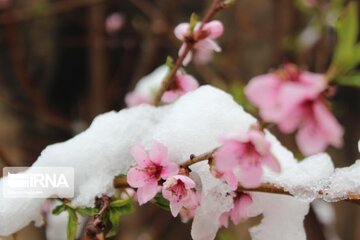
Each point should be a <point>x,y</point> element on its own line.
<point>72,224</point>
<point>347,33</point>
<point>87,211</point>
<point>120,202</point>
<point>118,208</point>
<point>194,19</point>
<point>162,202</point>
<point>351,80</point>
<point>59,209</point>
<point>169,62</point>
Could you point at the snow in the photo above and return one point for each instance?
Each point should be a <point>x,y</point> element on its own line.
<point>283,217</point>
<point>191,125</point>
<point>342,182</point>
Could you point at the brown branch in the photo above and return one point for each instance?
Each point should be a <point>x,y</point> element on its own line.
<point>95,227</point>
<point>30,13</point>
<point>166,83</point>
<point>195,159</point>
<point>190,41</point>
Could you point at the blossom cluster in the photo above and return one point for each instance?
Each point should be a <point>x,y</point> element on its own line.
<point>239,160</point>
<point>295,100</point>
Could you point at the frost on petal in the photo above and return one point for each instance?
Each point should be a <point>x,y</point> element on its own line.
<point>181,30</point>
<point>147,192</point>
<point>215,28</point>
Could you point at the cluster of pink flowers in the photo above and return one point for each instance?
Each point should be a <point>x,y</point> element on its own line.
<point>294,100</point>
<point>241,157</point>
<point>154,173</point>
<point>203,37</point>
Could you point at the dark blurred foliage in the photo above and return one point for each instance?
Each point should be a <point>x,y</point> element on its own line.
<point>59,68</point>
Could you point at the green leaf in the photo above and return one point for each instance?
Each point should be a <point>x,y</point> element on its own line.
<point>120,202</point>
<point>72,224</point>
<point>194,19</point>
<point>169,62</point>
<point>161,202</point>
<point>347,31</point>
<point>351,80</point>
<point>118,208</point>
<point>87,211</point>
<point>59,209</point>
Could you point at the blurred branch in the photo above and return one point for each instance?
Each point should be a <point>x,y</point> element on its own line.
<point>30,13</point>
<point>98,63</point>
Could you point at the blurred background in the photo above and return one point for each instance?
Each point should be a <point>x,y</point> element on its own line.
<point>62,62</point>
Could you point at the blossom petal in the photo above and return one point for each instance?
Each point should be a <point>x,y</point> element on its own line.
<point>175,208</point>
<point>240,211</point>
<point>169,96</point>
<point>215,28</point>
<point>271,162</point>
<point>181,30</point>
<point>250,176</point>
<point>329,124</point>
<point>158,153</point>
<point>137,178</point>
<point>188,57</point>
<point>139,154</point>
<point>169,169</point>
<point>188,182</point>
<point>231,180</point>
<point>224,219</point>
<point>263,90</point>
<point>188,83</point>
<point>147,192</point>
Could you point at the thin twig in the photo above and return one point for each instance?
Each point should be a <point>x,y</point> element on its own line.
<point>195,159</point>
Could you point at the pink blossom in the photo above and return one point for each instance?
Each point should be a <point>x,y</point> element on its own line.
<point>239,212</point>
<point>133,99</point>
<point>204,38</point>
<point>241,157</point>
<point>293,100</point>
<point>151,167</point>
<point>179,190</point>
<point>114,22</point>
<point>183,83</point>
